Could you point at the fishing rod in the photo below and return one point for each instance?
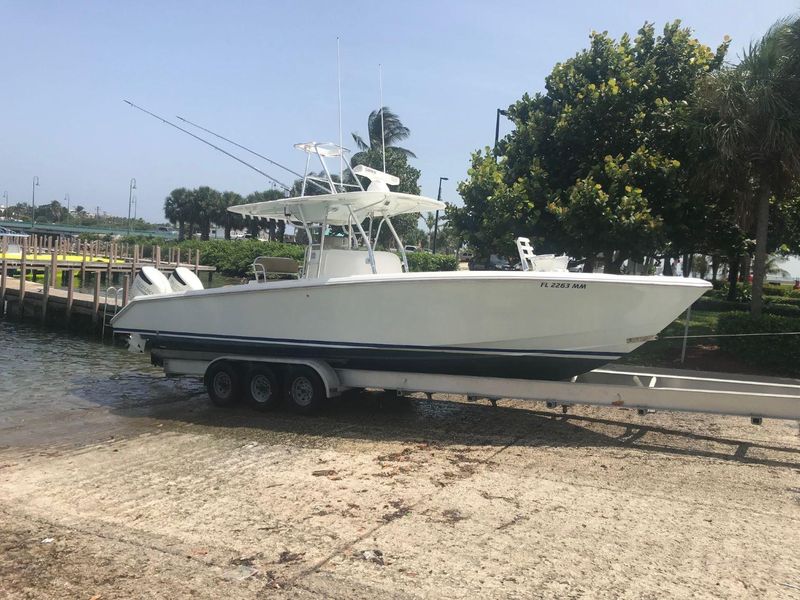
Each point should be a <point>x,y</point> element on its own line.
<point>197,137</point>
<point>253,152</point>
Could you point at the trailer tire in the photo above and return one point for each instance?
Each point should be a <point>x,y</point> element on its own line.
<point>262,388</point>
<point>223,384</point>
<point>305,391</point>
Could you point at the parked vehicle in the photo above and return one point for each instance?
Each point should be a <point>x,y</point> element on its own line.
<point>492,263</point>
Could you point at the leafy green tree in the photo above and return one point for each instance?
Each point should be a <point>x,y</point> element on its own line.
<point>494,212</point>
<point>613,116</point>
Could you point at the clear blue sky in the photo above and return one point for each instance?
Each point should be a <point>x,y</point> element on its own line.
<point>265,74</point>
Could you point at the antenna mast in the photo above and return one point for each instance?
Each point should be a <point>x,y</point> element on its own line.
<point>383,133</point>
<point>339,84</point>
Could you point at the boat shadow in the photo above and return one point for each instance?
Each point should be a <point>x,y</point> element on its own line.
<point>452,421</point>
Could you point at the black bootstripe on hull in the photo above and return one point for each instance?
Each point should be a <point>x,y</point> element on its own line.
<point>383,359</point>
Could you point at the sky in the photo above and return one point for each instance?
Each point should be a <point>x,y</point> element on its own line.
<point>265,75</point>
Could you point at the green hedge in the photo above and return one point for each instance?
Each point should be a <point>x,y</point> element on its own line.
<point>235,257</point>
<point>771,308</point>
<point>781,352</point>
<point>424,261</point>
<point>776,290</point>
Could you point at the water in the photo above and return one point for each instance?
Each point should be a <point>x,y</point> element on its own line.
<point>63,375</point>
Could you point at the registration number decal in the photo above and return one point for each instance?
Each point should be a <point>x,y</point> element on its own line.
<point>563,285</point>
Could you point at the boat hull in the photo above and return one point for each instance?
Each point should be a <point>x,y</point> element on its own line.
<point>522,325</point>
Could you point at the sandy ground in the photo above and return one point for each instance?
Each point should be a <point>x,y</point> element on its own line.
<point>380,497</point>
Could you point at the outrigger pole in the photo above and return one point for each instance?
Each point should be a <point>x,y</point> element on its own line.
<point>253,152</point>
<point>197,137</point>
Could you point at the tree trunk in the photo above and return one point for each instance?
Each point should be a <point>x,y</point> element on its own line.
<point>744,268</point>
<point>733,276</point>
<point>181,231</point>
<point>687,265</point>
<point>760,263</point>
<point>227,231</point>
<point>714,266</point>
<point>281,230</point>
<point>613,263</point>
<point>588,264</point>
<point>667,271</point>
<point>253,227</point>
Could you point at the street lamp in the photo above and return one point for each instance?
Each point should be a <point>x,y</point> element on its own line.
<point>500,111</point>
<point>436,222</point>
<point>5,202</point>
<point>130,200</point>
<point>66,200</point>
<point>135,204</point>
<point>33,200</point>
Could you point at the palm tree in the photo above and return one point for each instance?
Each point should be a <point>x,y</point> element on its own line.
<point>176,210</point>
<point>393,131</point>
<point>757,128</point>
<point>226,218</point>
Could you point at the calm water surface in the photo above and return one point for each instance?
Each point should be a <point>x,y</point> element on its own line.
<point>44,369</point>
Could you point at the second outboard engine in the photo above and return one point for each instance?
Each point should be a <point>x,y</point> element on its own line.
<point>148,282</point>
<point>182,280</point>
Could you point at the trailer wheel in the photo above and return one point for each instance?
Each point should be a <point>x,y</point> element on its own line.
<point>223,384</point>
<point>304,389</point>
<point>262,388</point>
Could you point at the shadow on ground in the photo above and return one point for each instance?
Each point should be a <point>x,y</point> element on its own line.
<point>446,420</point>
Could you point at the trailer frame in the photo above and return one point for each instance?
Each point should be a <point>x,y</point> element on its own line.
<point>626,387</point>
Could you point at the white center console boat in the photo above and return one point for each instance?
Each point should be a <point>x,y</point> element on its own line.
<point>359,307</point>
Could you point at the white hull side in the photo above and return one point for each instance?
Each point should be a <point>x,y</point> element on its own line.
<point>508,312</point>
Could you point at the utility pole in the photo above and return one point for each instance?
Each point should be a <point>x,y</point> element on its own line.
<point>500,111</point>
<point>436,222</point>
<point>33,200</point>
<point>130,200</point>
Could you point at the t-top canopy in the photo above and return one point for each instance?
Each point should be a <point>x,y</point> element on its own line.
<point>314,209</point>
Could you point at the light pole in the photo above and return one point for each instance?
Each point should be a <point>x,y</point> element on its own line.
<point>130,200</point>
<point>5,202</point>
<point>500,111</point>
<point>66,200</point>
<point>135,205</point>
<point>33,200</point>
<point>436,222</point>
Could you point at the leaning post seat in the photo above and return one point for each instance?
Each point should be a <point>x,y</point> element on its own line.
<point>275,265</point>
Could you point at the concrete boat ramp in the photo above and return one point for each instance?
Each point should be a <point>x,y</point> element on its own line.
<point>118,490</point>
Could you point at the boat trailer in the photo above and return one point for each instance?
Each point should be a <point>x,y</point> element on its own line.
<point>308,382</point>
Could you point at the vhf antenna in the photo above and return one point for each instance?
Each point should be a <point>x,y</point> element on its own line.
<point>197,137</point>
<point>383,133</point>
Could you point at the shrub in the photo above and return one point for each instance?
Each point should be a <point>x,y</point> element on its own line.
<point>776,290</point>
<point>781,352</point>
<point>423,261</point>
<point>787,309</point>
<point>235,257</point>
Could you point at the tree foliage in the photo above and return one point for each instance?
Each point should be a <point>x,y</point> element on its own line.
<point>391,130</point>
<point>598,163</point>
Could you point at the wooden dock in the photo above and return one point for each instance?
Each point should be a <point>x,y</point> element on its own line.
<point>110,267</point>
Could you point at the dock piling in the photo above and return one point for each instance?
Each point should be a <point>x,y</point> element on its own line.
<point>70,293</point>
<point>23,258</point>
<point>45,293</point>
<point>53,267</point>
<point>96,298</point>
